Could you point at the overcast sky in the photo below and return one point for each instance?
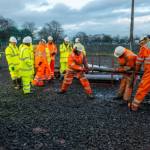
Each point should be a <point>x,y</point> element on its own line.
<point>90,16</point>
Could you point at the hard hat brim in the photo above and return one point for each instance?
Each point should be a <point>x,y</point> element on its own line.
<point>116,55</point>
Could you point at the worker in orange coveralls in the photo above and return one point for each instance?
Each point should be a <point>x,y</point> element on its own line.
<point>126,60</point>
<point>144,86</point>
<point>77,66</point>
<point>53,51</point>
<point>41,64</point>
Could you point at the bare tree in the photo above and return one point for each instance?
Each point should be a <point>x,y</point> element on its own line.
<point>30,26</point>
<point>43,33</point>
<point>56,30</point>
<point>7,29</point>
<point>52,28</point>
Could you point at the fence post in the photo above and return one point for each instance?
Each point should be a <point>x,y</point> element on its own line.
<point>112,64</point>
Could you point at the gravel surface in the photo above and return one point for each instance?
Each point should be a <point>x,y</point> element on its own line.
<point>47,121</point>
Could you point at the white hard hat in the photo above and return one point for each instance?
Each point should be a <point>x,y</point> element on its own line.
<point>43,40</point>
<point>27,39</point>
<point>50,38</point>
<point>13,39</point>
<point>142,38</point>
<point>66,39</point>
<point>77,40</point>
<point>119,51</point>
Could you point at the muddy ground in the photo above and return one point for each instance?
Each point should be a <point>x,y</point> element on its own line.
<point>48,121</point>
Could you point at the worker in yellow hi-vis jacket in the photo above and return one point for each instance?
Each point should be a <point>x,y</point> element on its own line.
<point>26,65</point>
<point>65,51</point>
<point>12,56</point>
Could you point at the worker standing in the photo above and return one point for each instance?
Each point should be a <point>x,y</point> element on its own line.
<point>26,65</point>
<point>144,86</point>
<point>32,55</point>
<point>12,56</point>
<point>41,64</point>
<point>78,43</point>
<point>76,68</point>
<point>65,51</point>
<point>53,51</point>
<point>126,60</point>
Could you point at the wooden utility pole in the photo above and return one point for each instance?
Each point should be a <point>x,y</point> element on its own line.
<point>132,26</point>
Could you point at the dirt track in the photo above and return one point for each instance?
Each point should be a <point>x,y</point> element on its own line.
<point>47,121</point>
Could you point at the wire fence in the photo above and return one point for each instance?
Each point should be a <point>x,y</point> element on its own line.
<point>97,54</point>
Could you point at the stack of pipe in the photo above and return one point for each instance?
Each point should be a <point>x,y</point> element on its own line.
<point>110,73</point>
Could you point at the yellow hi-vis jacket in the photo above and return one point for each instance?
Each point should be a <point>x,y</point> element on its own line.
<point>65,51</point>
<point>12,56</point>
<point>26,62</point>
<point>20,46</point>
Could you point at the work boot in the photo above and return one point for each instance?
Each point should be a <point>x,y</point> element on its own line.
<point>28,93</point>
<point>61,92</point>
<point>53,78</point>
<point>91,96</point>
<point>132,107</point>
<point>19,81</point>
<point>16,86</point>
<point>49,81</point>
<point>117,98</point>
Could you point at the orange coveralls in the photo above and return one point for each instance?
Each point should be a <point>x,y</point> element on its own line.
<point>41,65</point>
<point>144,86</point>
<point>76,69</point>
<point>127,62</point>
<point>53,51</point>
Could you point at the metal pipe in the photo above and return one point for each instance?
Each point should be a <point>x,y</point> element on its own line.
<point>103,77</point>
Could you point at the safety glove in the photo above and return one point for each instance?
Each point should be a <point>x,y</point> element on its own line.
<point>121,70</point>
<point>12,68</point>
<point>53,54</point>
<point>40,63</point>
<point>85,70</point>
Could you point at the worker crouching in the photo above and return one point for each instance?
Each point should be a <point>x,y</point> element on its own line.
<point>126,60</point>
<point>76,68</point>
